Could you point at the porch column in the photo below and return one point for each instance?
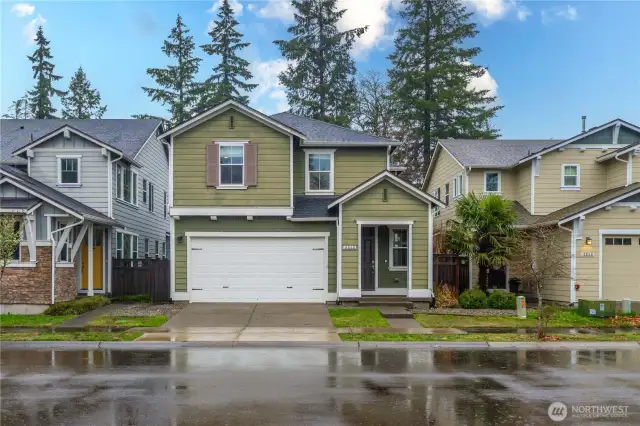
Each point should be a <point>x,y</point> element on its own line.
<point>90,260</point>
<point>410,260</point>
<point>359,246</point>
<point>107,242</point>
<point>430,249</point>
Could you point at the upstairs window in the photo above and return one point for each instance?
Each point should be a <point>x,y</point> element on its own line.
<point>436,208</point>
<point>231,164</point>
<point>446,194</point>
<point>457,186</point>
<point>126,185</point>
<point>570,176</point>
<point>151,195</point>
<point>68,170</point>
<point>319,171</point>
<point>492,182</point>
<point>144,190</point>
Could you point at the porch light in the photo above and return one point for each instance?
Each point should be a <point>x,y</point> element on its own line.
<point>588,241</point>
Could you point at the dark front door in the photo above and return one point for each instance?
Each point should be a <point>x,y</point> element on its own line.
<point>368,263</point>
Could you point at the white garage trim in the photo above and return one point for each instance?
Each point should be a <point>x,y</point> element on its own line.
<point>324,235</point>
<point>231,211</point>
<point>604,232</point>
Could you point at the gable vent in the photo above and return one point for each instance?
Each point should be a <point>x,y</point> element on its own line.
<point>232,124</point>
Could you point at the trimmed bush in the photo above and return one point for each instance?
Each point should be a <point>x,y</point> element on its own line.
<point>445,297</point>
<point>499,299</point>
<point>77,306</point>
<point>473,299</point>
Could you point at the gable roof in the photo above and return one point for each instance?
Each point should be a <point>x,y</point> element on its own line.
<point>618,152</point>
<point>386,175</point>
<point>52,196</point>
<point>226,105</point>
<point>321,133</point>
<point>496,153</point>
<point>616,122</point>
<point>125,135</point>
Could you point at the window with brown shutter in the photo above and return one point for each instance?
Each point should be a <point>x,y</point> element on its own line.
<point>212,164</point>
<point>250,164</point>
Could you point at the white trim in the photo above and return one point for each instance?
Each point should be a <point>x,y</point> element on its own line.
<point>384,222</point>
<point>148,139</point>
<point>392,267</point>
<point>65,265</point>
<point>231,142</point>
<point>386,292</point>
<point>393,179</point>
<point>616,134</point>
<point>312,219</point>
<point>219,109</point>
<point>626,204</point>
<point>331,154</point>
<point>359,245</point>
<point>22,265</point>
<point>172,251</point>
<point>237,187</point>
<point>430,250</point>
<point>11,180</point>
<point>339,252</point>
<point>350,293</point>
<point>484,181</point>
<point>420,294</point>
<point>291,171</point>
<point>180,296</point>
<point>599,206</point>
<point>171,172</point>
<point>328,144</point>
<point>565,187</point>
<point>231,211</point>
<point>630,169</point>
<point>59,159</point>
<point>410,258</point>
<point>580,136</point>
<point>575,232</point>
<point>432,164</point>
<point>376,257</point>
<point>257,234</point>
<point>535,171</point>
<point>626,149</point>
<point>601,147</point>
<point>602,233</point>
<point>38,244</point>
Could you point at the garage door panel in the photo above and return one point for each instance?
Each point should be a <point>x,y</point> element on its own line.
<point>257,269</point>
<point>621,268</point>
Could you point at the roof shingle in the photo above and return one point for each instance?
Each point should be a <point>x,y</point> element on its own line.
<point>498,153</point>
<point>307,206</point>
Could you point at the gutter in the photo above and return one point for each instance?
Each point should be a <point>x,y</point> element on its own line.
<point>617,158</point>
<point>110,184</point>
<point>53,257</point>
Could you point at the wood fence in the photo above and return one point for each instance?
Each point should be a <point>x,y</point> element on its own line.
<point>452,270</point>
<point>131,277</point>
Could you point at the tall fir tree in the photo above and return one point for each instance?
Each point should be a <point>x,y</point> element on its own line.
<point>178,88</point>
<point>40,97</point>
<point>230,76</point>
<point>431,80</point>
<point>82,101</point>
<point>19,109</point>
<point>320,77</point>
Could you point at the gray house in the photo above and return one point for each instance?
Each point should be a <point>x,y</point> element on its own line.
<point>117,168</point>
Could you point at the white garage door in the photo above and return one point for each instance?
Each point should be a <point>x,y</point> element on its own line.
<point>621,267</point>
<point>257,269</point>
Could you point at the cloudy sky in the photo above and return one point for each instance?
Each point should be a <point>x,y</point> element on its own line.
<point>548,62</point>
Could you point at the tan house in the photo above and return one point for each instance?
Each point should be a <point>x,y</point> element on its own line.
<point>587,185</point>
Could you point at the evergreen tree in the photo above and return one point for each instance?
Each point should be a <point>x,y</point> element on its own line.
<point>19,109</point>
<point>320,78</point>
<point>40,97</point>
<point>178,87</point>
<point>82,101</point>
<point>230,75</point>
<point>430,80</point>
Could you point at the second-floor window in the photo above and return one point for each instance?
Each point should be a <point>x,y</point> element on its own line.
<point>446,194</point>
<point>145,184</point>
<point>457,186</point>
<point>151,195</point>
<point>231,164</point>
<point>69,170</point>
<point>319,171</point>
<point>570,176</point>
<point>491,181</point>
<point>126,185</point>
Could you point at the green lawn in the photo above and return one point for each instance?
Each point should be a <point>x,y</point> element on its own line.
<point>562,318</point>
<point>357,317</point>
<point>484,337</point>
<point>76,336</point>
<point>32,321</point>
<point>109,321</point>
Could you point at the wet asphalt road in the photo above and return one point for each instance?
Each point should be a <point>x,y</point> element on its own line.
<point>313,386</point>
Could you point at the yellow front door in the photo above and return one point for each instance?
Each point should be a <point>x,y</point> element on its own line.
<point>97,265</point>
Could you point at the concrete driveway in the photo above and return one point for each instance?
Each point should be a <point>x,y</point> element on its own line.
<point>251,315</point>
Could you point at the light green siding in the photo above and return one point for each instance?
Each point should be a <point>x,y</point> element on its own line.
<point>189,184</point>
<point>186,224</point>
<point>400,206</point>
<point>352,167</point>
<point>388,279</point>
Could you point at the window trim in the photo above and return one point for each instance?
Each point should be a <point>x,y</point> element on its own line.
<point>163,246</point>
<point>447,191</point>
<point>565,187</point>
<point>157,247</point>
<point>484,184</point>
<point>131,235</point>
<point>151,196</point>
<point>457,186</point>
<point>222,144</point>
<point>133,192</point>
<point>145,195</point>
<point>436,208</point>
<point>393,267</point>
<point>331,153</point>
<point>69,157</point>
<point>146,248</point>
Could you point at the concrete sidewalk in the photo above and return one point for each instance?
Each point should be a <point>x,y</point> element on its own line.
<point>83,320</point>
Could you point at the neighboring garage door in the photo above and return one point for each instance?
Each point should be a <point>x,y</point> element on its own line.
<point>621,267</point>
<point>257,269</point>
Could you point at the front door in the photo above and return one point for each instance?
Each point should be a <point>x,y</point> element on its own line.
<point>367,258</point>
<point>97,262</point>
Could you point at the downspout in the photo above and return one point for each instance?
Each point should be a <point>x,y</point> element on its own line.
<point>573,262</point>
<point>110,179</point>
<point>53,258</point>
<point>617,157</point>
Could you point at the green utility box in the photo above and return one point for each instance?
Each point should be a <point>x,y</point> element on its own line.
<point>597,308</point>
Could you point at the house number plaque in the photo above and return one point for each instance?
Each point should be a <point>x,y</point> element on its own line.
<point>587,254</point>
<point>349,248</point>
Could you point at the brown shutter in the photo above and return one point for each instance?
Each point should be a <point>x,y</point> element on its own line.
<point>250,164</point>
<point>212,164</point>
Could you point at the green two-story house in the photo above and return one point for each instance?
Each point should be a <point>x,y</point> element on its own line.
<point>284,208</point>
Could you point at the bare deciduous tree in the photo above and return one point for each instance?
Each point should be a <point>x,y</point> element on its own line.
<point>543,255</point>
<point>9,239</point>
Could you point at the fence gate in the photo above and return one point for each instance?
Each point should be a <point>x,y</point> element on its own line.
<point>452,270</point>
<point>141,276</point>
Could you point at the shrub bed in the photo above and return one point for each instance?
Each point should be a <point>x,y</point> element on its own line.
<point>499,299</point>
<point>473,299</point>
<point>77,306</point>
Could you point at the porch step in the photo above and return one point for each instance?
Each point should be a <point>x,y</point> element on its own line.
<point>395,312</point>
<point>380,304</point>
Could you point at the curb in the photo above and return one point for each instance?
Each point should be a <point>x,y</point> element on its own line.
<point>9,345</point>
